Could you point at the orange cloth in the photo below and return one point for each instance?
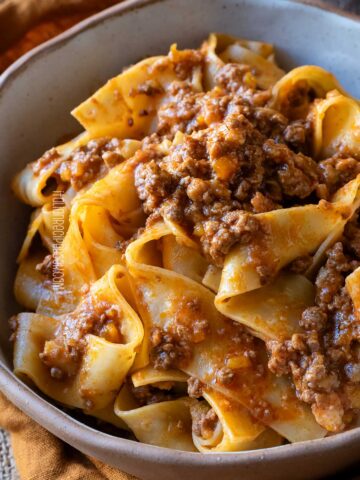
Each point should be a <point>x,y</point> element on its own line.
<point>24,24</point>
<point>41,456</point>
<point>17,16</point>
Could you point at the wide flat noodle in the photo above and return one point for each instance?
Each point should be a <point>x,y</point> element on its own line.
<point>36,220</point>
<point>336,125</point>
<point>235,431</point>
<point>319,80</point>
<point>152,376</point>
<point>28,286</point>
<point>36,187</point>
<point>212,278</point>
<point>100,238</point>
<point>77,271</point>
<point>117,108</point>
<point>221,49</point>
<point>183,259</point>
<point>347,199</point>
<point>46,222</point>
<point>353,288</point>
<point>89,247</point>
<point>290,233</point>
<point>104,364</point>
<point>266,72</point>
<point>54,225</point>
<point>273,311</point>
<point>31,187</point>
<point>160,294</point>
<point>222,41</point>
<point>116,193</point>
<point>202,313</point>
<point>165,424</point>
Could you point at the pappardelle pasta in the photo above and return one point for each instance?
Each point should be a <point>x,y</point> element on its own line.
<point>192,261</point>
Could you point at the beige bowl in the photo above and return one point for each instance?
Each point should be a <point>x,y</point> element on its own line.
<point>36,95</point>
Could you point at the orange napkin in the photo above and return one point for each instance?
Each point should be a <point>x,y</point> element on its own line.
<point>41,456</point>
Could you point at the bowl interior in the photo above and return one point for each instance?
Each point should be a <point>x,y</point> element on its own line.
<point>36,96</point>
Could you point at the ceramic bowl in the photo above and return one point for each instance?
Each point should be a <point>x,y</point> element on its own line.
<point>36,96</point>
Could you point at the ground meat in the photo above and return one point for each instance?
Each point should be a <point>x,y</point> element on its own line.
<point>352,237</point>
<point>90,162</point>
<point>331,277</point>
<point>149,394</point>
<point>298,100</point>
<point>189,322</point>
<point>85,164</point>
<point>45,161</point>
<point>298,174</point>
<point>149,88</point>
<point>168,351</point>
<point>153,185</point>
<point>218,176</point>
<point>235,93</point>
<point>233,228</point>
<point>261,203</point>
<point>296,135</point>
<point>279,361</point>
<point>186,61</point>
<point>300,264</point>
<point>91,317</point>
<point>239,228</point>
<point>238,156</point>
<point>172,347</point>
<point>239,81</point>
<point>337,171</point>
<point>195,387</point>
<point>324,358</point>
<point>313,318</point>
<point>269,122</point>
<point>204,420</point>
<point>180,111</point>
<point>233,76</point>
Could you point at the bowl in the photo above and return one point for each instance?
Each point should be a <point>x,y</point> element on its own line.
<point>36,96</point>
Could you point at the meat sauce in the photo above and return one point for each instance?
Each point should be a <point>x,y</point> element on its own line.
<point>173,348</point>
<point>324,360</point>
<point>237,157</point>
<point>63,354</point>
<point>84,165</point>
<point>225,356</point>
<point>204,420</point>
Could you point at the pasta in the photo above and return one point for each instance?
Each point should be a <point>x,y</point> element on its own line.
<point>191,269</point>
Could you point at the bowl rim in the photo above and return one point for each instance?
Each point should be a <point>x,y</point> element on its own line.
<point>72,431</point>
<point>69,429</point>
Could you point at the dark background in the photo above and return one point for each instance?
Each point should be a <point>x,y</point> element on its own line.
<point>349,5</point>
